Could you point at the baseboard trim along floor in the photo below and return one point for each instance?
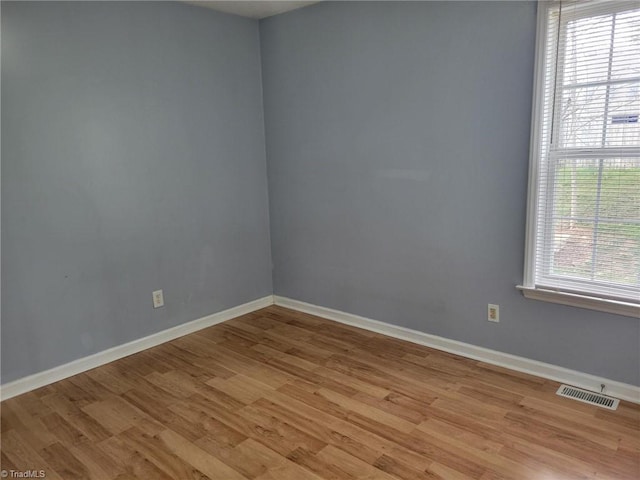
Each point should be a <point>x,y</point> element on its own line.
<point>37,380</point>
<point>614,388</point>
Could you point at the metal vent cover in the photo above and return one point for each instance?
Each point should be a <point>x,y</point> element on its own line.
<point>585,396</point>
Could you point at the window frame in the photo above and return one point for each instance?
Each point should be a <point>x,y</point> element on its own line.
<point>586,298</point>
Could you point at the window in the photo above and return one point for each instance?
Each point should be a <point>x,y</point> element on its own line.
<point>583,226</point>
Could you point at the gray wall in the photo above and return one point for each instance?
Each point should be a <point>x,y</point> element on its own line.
<point>132,160</point>
<point>397,143</point>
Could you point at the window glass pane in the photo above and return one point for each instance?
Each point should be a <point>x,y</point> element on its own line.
<point>620,190</point>
<point>582,117</point>
<point>623,122</point>
<point>626,51</point>
<point>575,192</point>
<point>572,249</point>
<point>586,46</point>
<point>594,229</point>
<point>617,257</point>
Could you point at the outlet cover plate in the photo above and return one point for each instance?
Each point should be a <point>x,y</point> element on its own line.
<point>158,299</point>
<point>493,313</point>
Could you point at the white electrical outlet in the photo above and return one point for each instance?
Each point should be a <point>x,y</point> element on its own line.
<point>158,299</point>
<point>493,313</point>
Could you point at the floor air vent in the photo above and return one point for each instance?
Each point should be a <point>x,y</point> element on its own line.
<point>586,396</point>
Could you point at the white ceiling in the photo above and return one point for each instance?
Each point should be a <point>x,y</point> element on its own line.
<point>252,9</point>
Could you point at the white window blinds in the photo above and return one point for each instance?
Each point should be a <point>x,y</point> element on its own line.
<point>584,225</point>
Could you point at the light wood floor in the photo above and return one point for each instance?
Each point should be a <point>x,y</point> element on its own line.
<point>279,395</point>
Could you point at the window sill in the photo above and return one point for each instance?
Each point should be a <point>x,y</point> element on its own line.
<point>584,301</point>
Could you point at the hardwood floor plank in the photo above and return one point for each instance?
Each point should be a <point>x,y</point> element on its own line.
<point>201,423</point>
<point>109,377</point>
<point>414,415</point>
<point>475,454</point>
<point>284,437</point>
<point>360,386</point>
<point>95,461</point>
<point>195,456</point>
<point>575,446</point>
<point>63,430</point>
<point>114,414</point>
<point>252,459</point>
<point>29,427</point>
<point>352,465</point>
<point>271,376</point>
<point>448,473</point>
<point>219,397</point>
<point>441,428</point>
<point>353,405</point>
<point>132,463</point>
<point>327,470</point>
<point>341,433</point>
<point>5,463</point>
<point>242,388</point>
<point>74,416</point>
<point>421,391</point>
<point>64,462</point>
<point>326,428</point>
<point>154,449</point>
<point>546,460</point>
<point>400,470</point>
<point>21,455</point>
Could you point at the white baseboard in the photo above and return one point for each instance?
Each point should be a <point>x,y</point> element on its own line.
<point>616,389</point>
<point>37,380</point>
